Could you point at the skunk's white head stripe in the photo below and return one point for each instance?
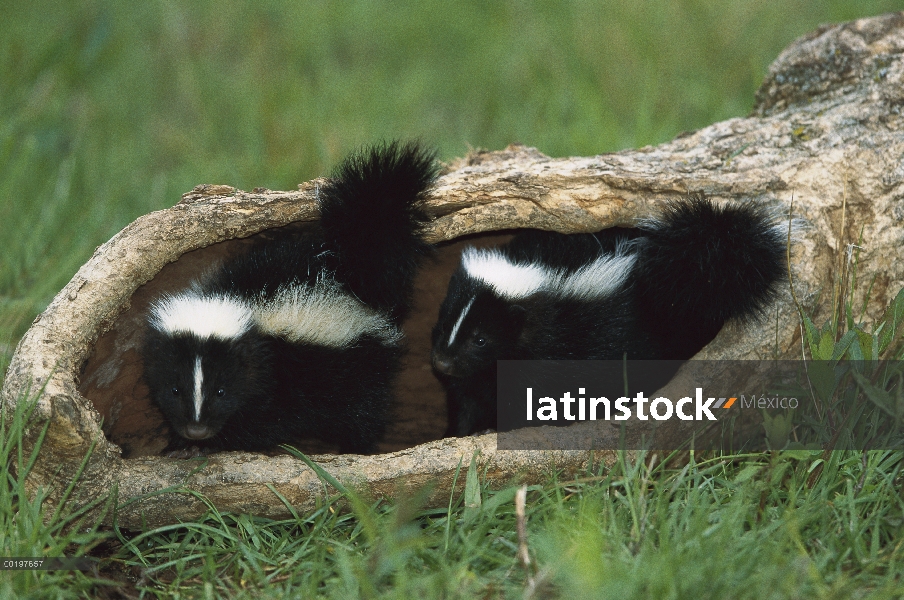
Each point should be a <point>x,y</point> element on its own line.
<point>508,280</point>
<point>323,314</point>
<point>223,317</point>
<point>199,381</point>
<point>459,321</point>
<point>513,281</point>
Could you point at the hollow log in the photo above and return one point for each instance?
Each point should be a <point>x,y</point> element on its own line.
<point>826,129</point>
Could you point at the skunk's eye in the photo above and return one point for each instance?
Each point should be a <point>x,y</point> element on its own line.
<point>175,391</point>
<point>221,392</point>
<point>480,342</point>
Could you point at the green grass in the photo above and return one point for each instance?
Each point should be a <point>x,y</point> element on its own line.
<point>755,526</point>
<point>27,530</point>
<point>109,110</point>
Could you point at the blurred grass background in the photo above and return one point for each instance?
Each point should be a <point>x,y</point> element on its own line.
<point>109,110</point>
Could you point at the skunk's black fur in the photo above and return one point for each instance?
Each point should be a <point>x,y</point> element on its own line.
<point>300,336</point>
<point>662,290</point>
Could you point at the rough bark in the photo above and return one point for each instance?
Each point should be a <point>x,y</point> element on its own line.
<point>826,129</point>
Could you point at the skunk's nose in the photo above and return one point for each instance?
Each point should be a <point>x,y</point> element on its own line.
<point>443,365</point>
<point>195,431</point>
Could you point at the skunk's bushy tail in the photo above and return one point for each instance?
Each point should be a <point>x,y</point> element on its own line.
<point>372,219</point>
<point>701,265</point>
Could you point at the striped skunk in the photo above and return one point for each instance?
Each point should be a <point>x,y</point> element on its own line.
<point>662,290</point>
<point>300,336</point>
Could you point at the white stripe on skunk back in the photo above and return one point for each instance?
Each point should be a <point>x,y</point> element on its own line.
<point>223,317</point>
<point>602,277</point>
<point>322,315</point>
<point>514,281</point>
<point>509,280</point>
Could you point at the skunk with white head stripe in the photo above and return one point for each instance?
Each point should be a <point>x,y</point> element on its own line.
<point>300,337</point>
<point>662,290</point>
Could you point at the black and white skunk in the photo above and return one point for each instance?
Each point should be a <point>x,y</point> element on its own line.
<point>662,290</point>
<point>300,336</point>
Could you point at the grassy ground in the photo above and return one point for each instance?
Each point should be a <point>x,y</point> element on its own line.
<point>755,526</point>
<point>109,110</point>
